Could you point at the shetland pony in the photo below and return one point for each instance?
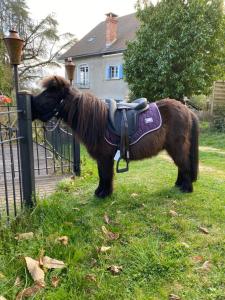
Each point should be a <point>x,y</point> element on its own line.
<point>88,115</point>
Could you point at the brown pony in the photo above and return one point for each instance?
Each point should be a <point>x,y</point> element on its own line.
<point>87,116</point>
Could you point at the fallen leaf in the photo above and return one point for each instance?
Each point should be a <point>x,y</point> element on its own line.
<point>174,297</point>
<point>134,195</point>
<point>93,262</point>
<point>76,209</point>
<point>103,249</point>
<point>2,298</point>
<point>203,230</point>
<point>28,292</point>
<point>24,236</point>
<point>17,281</point>
<point>173,213</point>
<point>55,281</point>
<point>197,258</point>
<point>185,245</point>
<point>63,240</point>
<point>110,235</point>
<point>206,266</point>
<point>2,275</point>
<point>106,219</point>
<point>115,270</point>
<point>91,277</point>
<point>68,223</point>
<point>51,263</point>
<point>35,271</point>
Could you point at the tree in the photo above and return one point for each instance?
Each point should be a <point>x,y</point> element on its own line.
<point>43,44</point>
<point>5,72</point>
<point>179,49</point>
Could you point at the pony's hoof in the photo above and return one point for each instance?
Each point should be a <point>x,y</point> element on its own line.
<point>102,193</point>
<point>186,188</point>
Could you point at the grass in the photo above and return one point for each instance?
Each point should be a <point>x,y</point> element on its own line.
<point>160,254</point>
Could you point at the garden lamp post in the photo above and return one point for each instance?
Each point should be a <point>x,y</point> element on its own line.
<point>70,68</point>
<point>14,45</point>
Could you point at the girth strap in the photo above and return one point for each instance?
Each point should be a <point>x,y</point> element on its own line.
<point>124,144</point>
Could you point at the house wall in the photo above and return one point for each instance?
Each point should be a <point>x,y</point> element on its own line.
<point>98,83</point>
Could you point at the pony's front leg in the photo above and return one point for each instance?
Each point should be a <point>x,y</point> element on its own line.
<point>105,172</point>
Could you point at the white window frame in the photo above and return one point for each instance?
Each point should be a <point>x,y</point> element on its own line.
<point>83,81</point>
<point>114,71</point>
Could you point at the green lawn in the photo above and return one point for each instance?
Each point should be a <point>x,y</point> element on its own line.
<point>160,247</point>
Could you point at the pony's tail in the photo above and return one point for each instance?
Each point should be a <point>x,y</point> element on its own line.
<point>194,155</point>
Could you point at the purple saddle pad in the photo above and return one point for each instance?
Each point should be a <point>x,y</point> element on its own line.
<point>147,121</point>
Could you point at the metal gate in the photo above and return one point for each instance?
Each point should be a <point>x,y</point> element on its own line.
<point>32,156</point>
<point>11,193</point>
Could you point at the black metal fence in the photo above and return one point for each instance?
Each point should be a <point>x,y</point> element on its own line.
<point>28,152</point>
<point>11,193</point>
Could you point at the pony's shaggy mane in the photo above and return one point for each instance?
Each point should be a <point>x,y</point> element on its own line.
<point>85,113</point>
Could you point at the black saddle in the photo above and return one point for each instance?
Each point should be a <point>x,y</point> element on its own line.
<point>122,121</point>
<point>133,109</point>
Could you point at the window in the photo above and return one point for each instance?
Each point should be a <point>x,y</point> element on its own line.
<point>114,72</point>
<point>84,75</point>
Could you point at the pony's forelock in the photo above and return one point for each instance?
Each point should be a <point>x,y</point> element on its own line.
<point>55,82</point>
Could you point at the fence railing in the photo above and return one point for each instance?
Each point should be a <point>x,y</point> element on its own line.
<point>28,150</point>
<point>11,192</point>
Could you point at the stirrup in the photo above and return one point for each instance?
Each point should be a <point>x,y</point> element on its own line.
<point>127,160</point>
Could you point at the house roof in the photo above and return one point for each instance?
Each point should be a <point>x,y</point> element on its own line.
<point>94,42</point>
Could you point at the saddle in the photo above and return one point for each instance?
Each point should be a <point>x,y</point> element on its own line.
<point>122,121</point>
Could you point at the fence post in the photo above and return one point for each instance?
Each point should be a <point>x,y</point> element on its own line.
<point>26,147</point>
<point>76,157</point>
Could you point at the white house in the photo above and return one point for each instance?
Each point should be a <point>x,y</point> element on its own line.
<point>98,57</point>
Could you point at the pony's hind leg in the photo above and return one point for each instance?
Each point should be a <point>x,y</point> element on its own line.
<point>184,181</point>
<point>105,172</point>
<point>181,158</point>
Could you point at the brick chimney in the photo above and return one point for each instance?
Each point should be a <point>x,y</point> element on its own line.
<point>111,28</point>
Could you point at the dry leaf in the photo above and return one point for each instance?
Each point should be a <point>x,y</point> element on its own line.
<point>68,223</point>
<point>17,281</point>
<point>2,298</point>
<point>76,209</point>
<point>93,262</point>
<point>197,258</point>
<point>51,263</point>
<point>115,270</point>
<point>134,195</point>
<point>203,230</point>
<point>174,297</point>
<point>28,292</point>
<point>110,235</point>
<point>24,236</point>
<point>35,271</point>
<point>55,281</point>
<point>173,213</point>
<point>91,277</point>
<point>185,245</point>
<point>206,266</point>
<point>2,275</point>
<point>63,240</point>
<point>103,249</point>
<point>106,219</point>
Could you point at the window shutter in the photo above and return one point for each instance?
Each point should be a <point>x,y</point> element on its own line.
<point>120,71</point>
<point>107,73</point>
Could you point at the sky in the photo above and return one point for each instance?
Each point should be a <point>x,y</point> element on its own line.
<point>79,17</point>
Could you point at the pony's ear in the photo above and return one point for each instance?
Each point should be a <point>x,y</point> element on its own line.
<point>55,83</point>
